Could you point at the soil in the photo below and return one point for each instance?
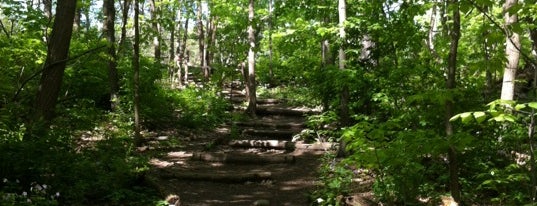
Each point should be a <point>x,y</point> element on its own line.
<point>231,182</point>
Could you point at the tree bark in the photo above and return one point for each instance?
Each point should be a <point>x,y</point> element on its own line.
<point>136,67</point>
<point>451,85</point>
<point>251,84</point>
<point>270,22</point>
<point>124,19</point>
<point>201,41</point>
<point>211,38</point>
<point>511,51</point>
<point>47,7</point>
<point>344,102</point>
<point>58,51</point>
<point>154,10</point>
<point>109,30</point>
<point>183,58</point>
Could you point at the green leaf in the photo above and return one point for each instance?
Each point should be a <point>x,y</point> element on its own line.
<point>466,117</point>
<point>480,116</point>
<point>533,105</point>
<point>520,106</point>
<point>454,118</point>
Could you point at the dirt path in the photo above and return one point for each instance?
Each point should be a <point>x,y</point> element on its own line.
<point>207,168</point>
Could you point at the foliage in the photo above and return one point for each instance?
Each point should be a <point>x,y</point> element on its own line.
<point>335,179</point>
<point>200,108</point>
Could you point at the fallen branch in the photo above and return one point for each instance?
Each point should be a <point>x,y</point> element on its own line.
<point>243,158</point>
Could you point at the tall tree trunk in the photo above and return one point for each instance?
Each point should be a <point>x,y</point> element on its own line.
<point>88,19</point>
<point>451,85</point>
<point>57,55</point>
<point>271,69</point>
<point>109,11</point>
<point>211,38</point>
<point>47,7</point>
<point>251,84</point>
<point>185,56</point>
<point>124,19</point>
<point>78,15</point>
<point>136,67</point>
<point>344,104</point>
<point>531,132</point>
<point>154,10</point>
<point>511,51</point>
<point>172,57</point>
<point>201,40</point>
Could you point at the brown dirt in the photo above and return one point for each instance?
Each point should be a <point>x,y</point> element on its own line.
<point>289,183</point>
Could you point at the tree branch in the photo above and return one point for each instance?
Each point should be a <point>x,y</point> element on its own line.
<point>506,33</point>
<point>4,29</point>
<point>50,65</point>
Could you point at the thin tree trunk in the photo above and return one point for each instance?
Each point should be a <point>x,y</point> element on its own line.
<point>47,7</point>
<point>271,69</point>
<point>124,19</point>
<point>171,58</point>
<point>201,41</point>
<point>344,104</point>
<point>185,56</point>
<point>109,30</point>
<point>57,55</point>
<point>78,15</point>
<point>531,129</point>
<point>511,51</point>
<point>211,38</point>
<point>451,85</point>
<point>251,84</point>
<point>154,10</point>
<point>136,67</point>
<point>88,20</point>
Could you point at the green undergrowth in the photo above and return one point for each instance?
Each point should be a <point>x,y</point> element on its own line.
<point>293,96</point>
<point>70,166</point>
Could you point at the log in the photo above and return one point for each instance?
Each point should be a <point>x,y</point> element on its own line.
<point>273,134</point>
<point>217,177</point>
<point>243,158</point>
<point>272,125</point>
<point>268,144</point>
<point>324,146</point>
<point>283,111</point>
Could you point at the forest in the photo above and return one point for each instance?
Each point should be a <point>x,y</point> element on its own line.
<point>382,102</point>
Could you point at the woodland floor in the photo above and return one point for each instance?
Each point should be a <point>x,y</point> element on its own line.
<point>206,168</point>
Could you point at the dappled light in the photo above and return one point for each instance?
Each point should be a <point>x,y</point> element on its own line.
<point>266,102</point>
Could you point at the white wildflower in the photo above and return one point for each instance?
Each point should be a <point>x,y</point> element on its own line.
<point>5,180</point>
<point>24,193</point>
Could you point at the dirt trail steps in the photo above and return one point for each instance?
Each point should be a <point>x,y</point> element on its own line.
<point>262,166</point>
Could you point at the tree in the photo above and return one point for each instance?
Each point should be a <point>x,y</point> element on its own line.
<point>455,33</point>
<point>512,51</point>
<point>344,102</point>
<point>201,40</point>
<point>109,12</point>
<point>250,81</point>
<point>155,10</point>
<point>136,67</point>
<point>57,56</point>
